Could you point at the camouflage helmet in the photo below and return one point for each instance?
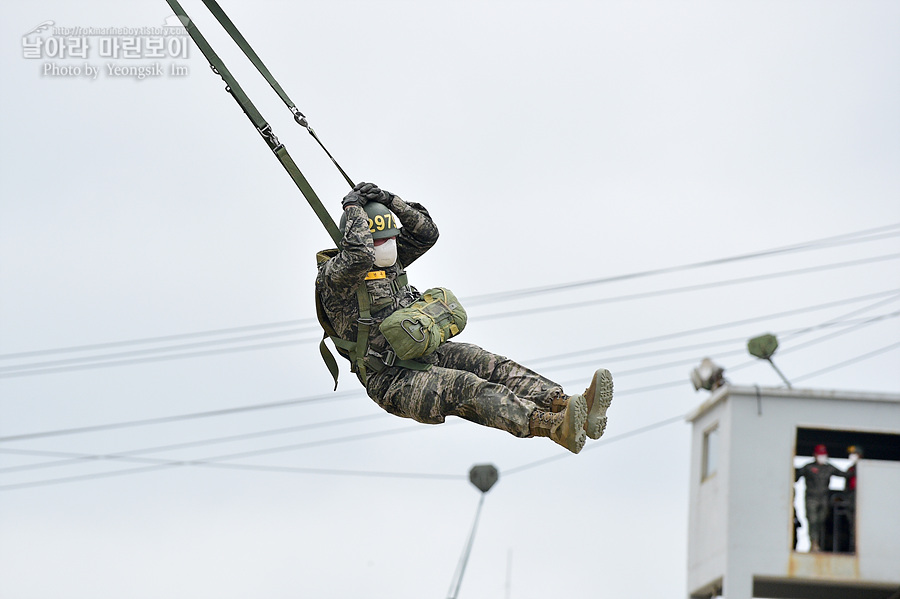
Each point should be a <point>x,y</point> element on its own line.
<point>382,222</point>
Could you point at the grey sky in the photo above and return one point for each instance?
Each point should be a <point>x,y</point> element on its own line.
<point>553,142</point>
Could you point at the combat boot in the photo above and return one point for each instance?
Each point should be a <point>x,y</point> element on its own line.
<point>598,396</point>
<point>565,428</point>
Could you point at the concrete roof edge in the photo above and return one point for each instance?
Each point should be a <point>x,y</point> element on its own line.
<point>720,394</point>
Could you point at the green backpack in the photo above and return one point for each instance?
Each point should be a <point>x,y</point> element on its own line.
<point>418,330</point>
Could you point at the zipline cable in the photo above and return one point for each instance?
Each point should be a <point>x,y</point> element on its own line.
<point>248,50</point>
<point>262,127</point>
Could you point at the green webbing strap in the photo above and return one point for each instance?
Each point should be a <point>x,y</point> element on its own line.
<point>306,189</point>
<point>364,324</point>
<point>244,45</point>
<point>330,362</point>
<point>399,283</point>
<point>239,39</point>
<point>258,121</point>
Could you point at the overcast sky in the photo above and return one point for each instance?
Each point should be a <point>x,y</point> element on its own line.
<point>553,143</point>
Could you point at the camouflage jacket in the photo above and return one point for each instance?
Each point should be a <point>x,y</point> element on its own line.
<point>818,476</point>
<point>345,270</point>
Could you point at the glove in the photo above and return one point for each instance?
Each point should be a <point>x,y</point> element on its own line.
<point>373,193</point>
<point>356,197</point>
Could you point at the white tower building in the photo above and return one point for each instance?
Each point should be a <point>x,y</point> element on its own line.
<point>746,442</point>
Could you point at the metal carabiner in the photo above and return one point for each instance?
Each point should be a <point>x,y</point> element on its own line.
<point>299,117</point>
<point>408,332</point>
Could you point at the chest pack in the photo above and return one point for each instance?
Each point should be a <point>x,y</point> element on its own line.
<point>418,330</point>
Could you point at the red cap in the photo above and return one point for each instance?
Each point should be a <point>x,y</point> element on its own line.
<point>820,450</point>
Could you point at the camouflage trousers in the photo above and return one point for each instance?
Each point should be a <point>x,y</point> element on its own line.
<point>816,514</point>
<point>465,381</point>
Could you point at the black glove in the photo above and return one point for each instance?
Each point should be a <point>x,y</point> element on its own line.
<point>375,194</point>
<point>357,196</point>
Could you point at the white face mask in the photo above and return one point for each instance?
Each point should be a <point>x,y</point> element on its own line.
<point>821,459</point>
<point>386,253</point>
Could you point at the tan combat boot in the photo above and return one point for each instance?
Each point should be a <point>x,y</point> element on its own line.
<point>566,427</point>
<point>597,396</point>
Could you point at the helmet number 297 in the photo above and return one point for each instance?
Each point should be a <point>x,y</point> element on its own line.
<point>380,223</point>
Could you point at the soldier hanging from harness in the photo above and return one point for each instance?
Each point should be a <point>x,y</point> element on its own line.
<point>378,322</point>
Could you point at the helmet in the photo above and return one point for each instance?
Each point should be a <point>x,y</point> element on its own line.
<point>382,222</point>
<point>820,450</point>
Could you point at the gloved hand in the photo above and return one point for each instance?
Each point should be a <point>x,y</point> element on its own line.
<point>357,196</point>
<point>374,194</point>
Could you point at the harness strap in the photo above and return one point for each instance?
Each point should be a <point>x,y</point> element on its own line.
<point>362,357</point>
<point>364,325</point>
<point>264,129</point>
<point>251,54</point>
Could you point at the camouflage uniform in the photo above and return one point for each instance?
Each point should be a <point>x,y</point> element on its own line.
<point>818,477</point>
<point>463,379</point>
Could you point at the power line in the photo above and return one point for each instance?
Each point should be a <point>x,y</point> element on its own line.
<point>837,240</point>
<point>684,289</point>
<point>213,461</point>
<point>162,339</point>
<point>850,329</point>
<point>133,455</point>
<point>790,349</point>
<point>894,295</point>
<point>213,441</point>
<point>715,327</point>
<point>81,458</point>
<point>600,443</point>
<point>850,361</point>
<point>306,325</point>
<point>191,416</point>
<point>108,360</point>
<point>852,326</point>
<point>157,350</point>
<point>10,372</point>
<point>842,320</point>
